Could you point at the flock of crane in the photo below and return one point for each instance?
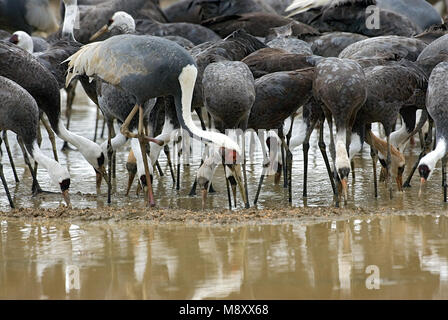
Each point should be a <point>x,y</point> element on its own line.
<point>245,65</point>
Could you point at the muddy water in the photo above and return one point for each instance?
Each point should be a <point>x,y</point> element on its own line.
<point>83,191</point>
<point>288,260</point>
<point>62,260</point>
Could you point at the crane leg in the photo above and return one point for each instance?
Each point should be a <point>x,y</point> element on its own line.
<point>36,187</point>
<point>131,166</point>
<point>444,184</point>
<point>2,176</point>
<point>51,136</point>
<point>96,123</point>
<point>426,148</point>
<point>374,157</point>
<point>143,143</point>
<point>323,150</point>
<point>388,166</point>
<point>306,147</point>
<point>110,153</point>
<point>11,160</point>
<point>166,150</point>
<point>68,107</point>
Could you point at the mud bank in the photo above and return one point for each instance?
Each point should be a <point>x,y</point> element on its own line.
<point>249,216</point>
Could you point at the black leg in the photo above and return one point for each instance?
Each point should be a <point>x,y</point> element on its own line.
<point>374,157</point>
<point>2,176</point>
<point>166,149</point>
<point>444,184</point>
<point>426,148</point>
<point>110,153</point>
<point>323,150</point>
<point>96,123</point>
<point>388,167</point>
<point>11,160</point>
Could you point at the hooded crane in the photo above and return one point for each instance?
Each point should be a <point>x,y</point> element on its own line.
<point>20,114</point>
<point>24,69</point>
<point>146,67</point>
<point>340,84</point>
<point>436,104</point>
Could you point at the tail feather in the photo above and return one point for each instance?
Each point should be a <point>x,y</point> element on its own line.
<point>80,63</point>
<point>299,6</point>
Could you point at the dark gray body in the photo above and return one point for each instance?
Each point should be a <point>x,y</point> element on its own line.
<point>433,54</point>
<point>419,11</point>
<point>193,32</point>
<point>278,95</point>
<point>391,88</point>
<point>92,18</point>
<point>40,44</point>
<point>269,60</point>
<point>437,99</point>
<point>54,56</point>
<point>117,104</point>
<point>341,86</point>
<point>352,18</point>
<point>233,48</point>
<point>18,112</point>
<point>332,44</point>
<point>13,15</point>
<point>229,93</point>
<point>23,68</point>
<point>390,47</point>
<point>258,24</point>
<point>160,62</point>
<point>292,45</point>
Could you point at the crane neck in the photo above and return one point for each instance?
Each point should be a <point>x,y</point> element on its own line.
<point>187,80</point>
<point>71,14</point>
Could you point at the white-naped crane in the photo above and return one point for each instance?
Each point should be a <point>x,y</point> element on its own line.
<point>146,67</point>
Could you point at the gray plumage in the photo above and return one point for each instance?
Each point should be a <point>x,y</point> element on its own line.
<point>269,60</point>
<point>437,99</point>
<point>292,45</point>
<point>229,93</point>
<point>193,32</point>
<point>433,54</point>
<point>27,15</point>
<point>92,18</point>
<point>332,44</point>
<point>18,112</point>
<point>419,11</point>
<point>278,95</point>
<point>391,47</point>
<point>384,100</point>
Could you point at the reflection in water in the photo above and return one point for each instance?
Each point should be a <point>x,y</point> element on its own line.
<point>83,190</point>
<point>286,261</point>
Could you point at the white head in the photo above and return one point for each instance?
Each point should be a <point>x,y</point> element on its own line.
<point>70,2</point>
<point>123,21</point>
<point>23,40</point>
<point>428,163</point>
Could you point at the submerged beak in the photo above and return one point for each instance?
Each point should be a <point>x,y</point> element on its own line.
<point>66,197</point>
<point>236,170</point>
<point>278,174</point>
<point>204,198</point>
<point>100,173</point>
<point>422,183</point>
<point>399,180</point>
<point>99,33</point>
<point>130,181</point>
<point>344,187</point>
